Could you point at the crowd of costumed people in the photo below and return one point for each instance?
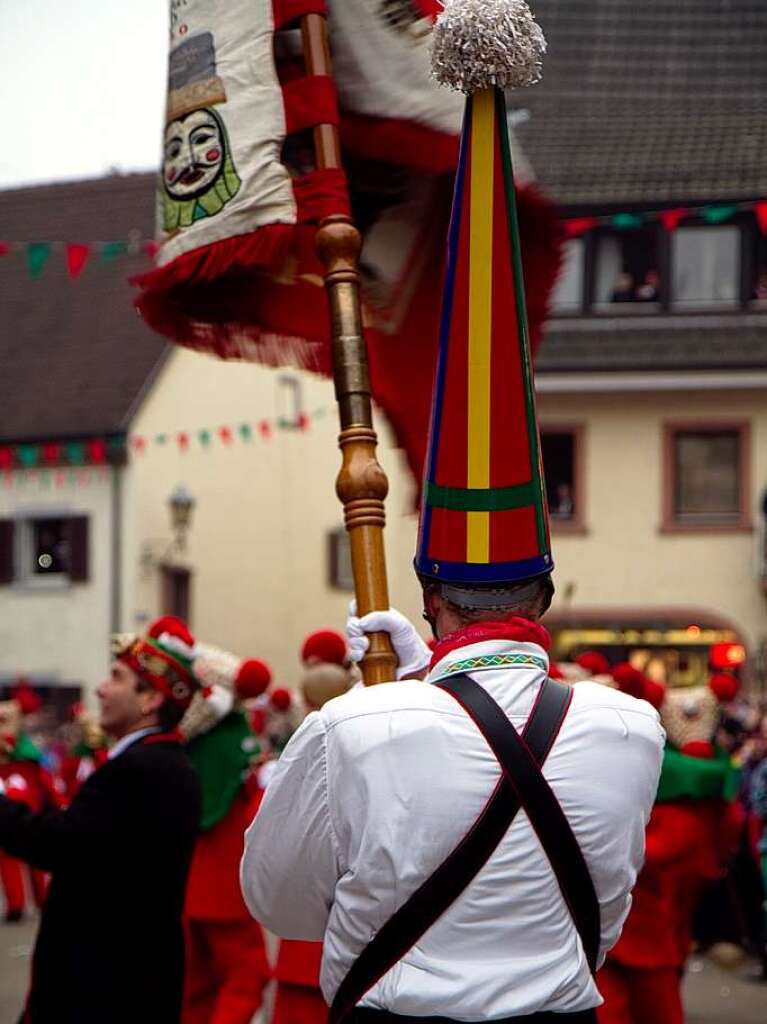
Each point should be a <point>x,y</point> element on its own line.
<point>701,891</point>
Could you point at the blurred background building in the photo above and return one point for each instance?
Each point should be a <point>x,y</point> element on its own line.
<point>135,479</point>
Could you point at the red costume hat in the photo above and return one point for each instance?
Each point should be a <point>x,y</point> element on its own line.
<point>593,662</point>
<point>28,700</point>
<point>325,645</point>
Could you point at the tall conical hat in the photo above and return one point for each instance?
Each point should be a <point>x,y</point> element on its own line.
<point>484,520</point>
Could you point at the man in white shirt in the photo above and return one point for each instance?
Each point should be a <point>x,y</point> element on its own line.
<point>378,797</point>
<point>374,792</point>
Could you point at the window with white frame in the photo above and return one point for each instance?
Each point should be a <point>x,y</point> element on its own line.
<point>706,266</point>
<point>44,548</point>
<point>290,411</point>
<point>627,273</point>
<point>568,291</point>
<point>340,575</point>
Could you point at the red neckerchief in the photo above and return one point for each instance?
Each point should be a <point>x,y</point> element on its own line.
<point>164,737</point>
<point>519,630</point>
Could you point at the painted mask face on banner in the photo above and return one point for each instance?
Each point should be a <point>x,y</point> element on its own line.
<point>194,154</point>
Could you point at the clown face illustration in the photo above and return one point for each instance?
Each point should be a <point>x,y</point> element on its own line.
<point>195,150</point>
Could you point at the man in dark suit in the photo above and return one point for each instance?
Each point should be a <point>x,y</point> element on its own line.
<point>110,945</point>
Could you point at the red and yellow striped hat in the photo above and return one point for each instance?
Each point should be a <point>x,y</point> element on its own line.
<point>484,518</point>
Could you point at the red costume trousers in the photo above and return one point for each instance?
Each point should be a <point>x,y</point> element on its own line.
<point>637,995</point>
<point>299,1004</point>
<point>12,879</point>
<point>226,972</point>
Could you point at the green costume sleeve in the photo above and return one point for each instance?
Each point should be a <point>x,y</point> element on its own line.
<point>696,778</point>
<point>221,762</point>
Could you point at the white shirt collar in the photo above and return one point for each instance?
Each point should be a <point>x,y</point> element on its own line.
<point>129,739</point>
<point>488,655</point>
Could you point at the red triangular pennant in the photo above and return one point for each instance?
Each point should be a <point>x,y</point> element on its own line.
<point>97,451</point>
<point>579,226</point>
<point>760,209</point>
<point>52,453</point>
<point>77,256</point>
<point>671,219</point>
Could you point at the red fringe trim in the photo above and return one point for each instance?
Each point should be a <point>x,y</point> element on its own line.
<point>264,247</point>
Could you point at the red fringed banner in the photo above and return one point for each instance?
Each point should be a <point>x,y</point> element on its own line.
<point>240,198</point>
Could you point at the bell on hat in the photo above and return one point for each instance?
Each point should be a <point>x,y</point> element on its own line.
<point>484,518</point>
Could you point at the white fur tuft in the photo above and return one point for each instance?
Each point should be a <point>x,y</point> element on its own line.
<point>479,44</point>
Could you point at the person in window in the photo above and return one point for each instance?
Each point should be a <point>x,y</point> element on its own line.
<point>760,288</point>
<point>624,289</point>
<point>563,505</point>
<point>649,289</point>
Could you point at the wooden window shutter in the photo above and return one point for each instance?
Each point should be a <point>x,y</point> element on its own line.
<point>7,531</point>
<point>78,548</point>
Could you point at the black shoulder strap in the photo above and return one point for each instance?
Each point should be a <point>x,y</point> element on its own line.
<point>522,769</point>
<point>430,901</point>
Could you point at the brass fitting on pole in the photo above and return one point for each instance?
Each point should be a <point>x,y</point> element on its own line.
<point>361,484</point>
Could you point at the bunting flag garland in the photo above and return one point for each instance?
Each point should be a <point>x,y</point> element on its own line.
<point>45,455</point>
<point>77,255</point>
<point>226,434</point>
<point>713,213</point>
<point>77,460</point>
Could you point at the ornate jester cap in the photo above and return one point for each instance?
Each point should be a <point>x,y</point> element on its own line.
<point>484,520</point>
<point>163,658</point>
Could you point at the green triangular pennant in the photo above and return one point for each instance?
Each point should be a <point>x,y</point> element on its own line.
<point>718,214</point>
<point>75,452</point>
<point>627,221</point>
<point>38,254</point>
<point>28,455</point>
<point>112,251</point>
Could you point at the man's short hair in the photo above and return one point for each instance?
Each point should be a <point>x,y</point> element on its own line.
<point>528,599</point>
<point>169,713</point>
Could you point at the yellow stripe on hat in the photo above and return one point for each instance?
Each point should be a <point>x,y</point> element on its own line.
<point>480,316</point>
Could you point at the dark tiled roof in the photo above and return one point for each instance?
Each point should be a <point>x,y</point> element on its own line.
<point>654,344</point>
<point>658,101</point>
<point>74,357</point>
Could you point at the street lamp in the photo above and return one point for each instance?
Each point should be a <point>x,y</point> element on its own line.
<point>181,504</point>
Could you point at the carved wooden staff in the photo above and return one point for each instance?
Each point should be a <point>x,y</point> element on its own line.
<point>361,484</point>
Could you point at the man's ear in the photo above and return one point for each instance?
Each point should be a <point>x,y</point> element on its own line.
<point>152,700</point>
<point>432,605</point>
<point>432,602</point>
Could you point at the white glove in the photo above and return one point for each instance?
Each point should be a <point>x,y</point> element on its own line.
<point>412,653</point>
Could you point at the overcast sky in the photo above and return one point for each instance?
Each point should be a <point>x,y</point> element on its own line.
<point>82,86</point>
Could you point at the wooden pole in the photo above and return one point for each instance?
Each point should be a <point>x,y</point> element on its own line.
<point>361,484</point>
